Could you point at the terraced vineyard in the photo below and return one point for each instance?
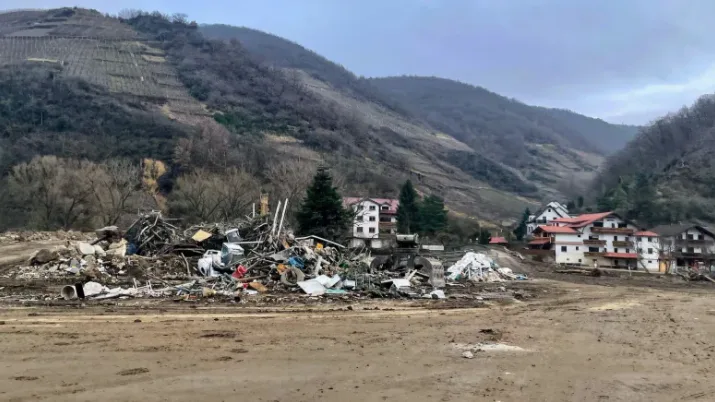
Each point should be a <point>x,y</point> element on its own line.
<point>103,52</point>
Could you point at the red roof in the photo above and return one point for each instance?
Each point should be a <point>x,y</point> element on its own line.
<point>646,233</point>
<point>556,229</point>
<point>540,240</point>
<point>498,240</point>
<point>582,220</point>
<point>621,255</point>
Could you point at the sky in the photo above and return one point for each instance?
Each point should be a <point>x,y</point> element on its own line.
<point>626,61</point>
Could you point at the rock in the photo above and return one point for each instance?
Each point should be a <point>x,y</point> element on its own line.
<point>99,251</point>
<point>468,355</point>
<point>43,256</point>
<point>85,248</point>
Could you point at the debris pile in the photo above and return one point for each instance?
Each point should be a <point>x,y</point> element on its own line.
<point>479,267</point>
<point>155,257</point>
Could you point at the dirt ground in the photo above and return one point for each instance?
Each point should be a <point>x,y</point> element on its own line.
<point>583,342</point>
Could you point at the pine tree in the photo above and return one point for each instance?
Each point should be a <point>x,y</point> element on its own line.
<point>408,212</point>
<point>322,213</point>
<point>520,230</point>
<point>433,216</point>
<point>484,236</point>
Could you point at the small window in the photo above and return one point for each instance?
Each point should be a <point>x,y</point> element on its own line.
<point>628,250</point>
<point>563,248</point>
<point>579,236</point>
<point>359,230</point>
<point>579,260</point>
<point>372,219</point>
<point>615,250</point>
<point>650,262</point>
<point>650,251</point>
<point>615,238</point>
<point>384,208</point>
<point>371,230</point>
<point>372,207</point>
<point>576,248</point>
<point>640,239</point>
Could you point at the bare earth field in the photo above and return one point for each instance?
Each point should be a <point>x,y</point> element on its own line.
<point>584,342</point>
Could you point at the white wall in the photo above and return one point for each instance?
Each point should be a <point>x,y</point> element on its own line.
<point>649,253</point>
<point>367,219</point>
<point>573,253</point>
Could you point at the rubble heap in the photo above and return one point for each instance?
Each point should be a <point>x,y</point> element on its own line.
<point>258,254</point>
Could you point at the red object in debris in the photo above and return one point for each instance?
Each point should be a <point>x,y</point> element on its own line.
<point>240,272</point>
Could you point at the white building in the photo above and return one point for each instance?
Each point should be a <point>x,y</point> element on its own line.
<point>685,245</point>
<point>546,215</point>
<point>375,220</point>
<point>603,240</point>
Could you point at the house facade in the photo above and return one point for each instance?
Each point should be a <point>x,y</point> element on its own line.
<point>685,246</point>
<point>375,220</point>
<point>600,240</point>
<point>553,210</point>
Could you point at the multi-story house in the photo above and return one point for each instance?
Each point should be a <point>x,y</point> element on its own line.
<point>546,215</point>
<point>685,245</point>
<point>375,220</point>
<point>600,240</point>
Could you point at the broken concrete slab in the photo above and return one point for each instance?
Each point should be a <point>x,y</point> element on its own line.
<point>85,248</point>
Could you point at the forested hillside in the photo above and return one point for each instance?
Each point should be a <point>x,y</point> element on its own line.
<point>199,113</point>
<point>666,174</point>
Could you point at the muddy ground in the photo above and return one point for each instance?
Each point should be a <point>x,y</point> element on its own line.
<point>605,340</point>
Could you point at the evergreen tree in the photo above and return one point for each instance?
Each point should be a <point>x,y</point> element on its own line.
<point>408,212</point>
<point>520,230</point>
<point>484,236</point>
<point>322,213</point>
<point>579,202</point>
<point>571,206</point>
<point>433,216</point>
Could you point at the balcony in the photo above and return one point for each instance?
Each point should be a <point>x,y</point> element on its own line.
<point>694,242</point>
<point>593,254</point>
<point>594,242</point>
<point>621,243</point>
<point>623,231</point>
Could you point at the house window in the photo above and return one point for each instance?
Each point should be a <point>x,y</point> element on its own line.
<point>650,262</point>
<point>650,251</point>
<point>384,208</point>
<point>372,219</point>
<point>576,248</point>
<point>622,225</point>
<point>563,248</point>
<point>628,250</point>
<point>372,207</point>
<point>593,250</point>
<point>579,236</point>
<point>615,238</point>
<point>371,230</point>
<point>639,250</point>
<point>579,260</point>
<point>615,250</point>
<point>640,239</point>
<point>359,230</point>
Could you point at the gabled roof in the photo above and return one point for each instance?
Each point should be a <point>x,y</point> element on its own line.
<point>498,240</point>
<point>672,230</point>
<point>555,229</point>
<point>646,233</point>
<point>583,220</point>
<point>391,203</point>
<point>560,209</point>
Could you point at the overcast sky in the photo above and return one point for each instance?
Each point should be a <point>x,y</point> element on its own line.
<point>622,60</point>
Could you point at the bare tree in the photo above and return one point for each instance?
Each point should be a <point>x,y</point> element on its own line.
<point>206,196</point>
<point>116,190</point>
<point>53,192</point>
